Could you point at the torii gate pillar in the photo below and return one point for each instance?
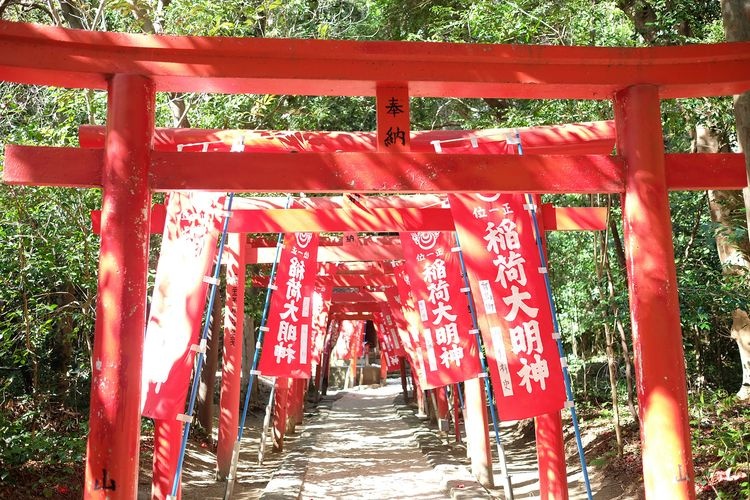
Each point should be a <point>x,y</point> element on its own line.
<point>114,420</point>
<point>654,307</point>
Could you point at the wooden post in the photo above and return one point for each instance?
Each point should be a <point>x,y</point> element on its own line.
<point>477,433</point>
<point>456,413</point>
<point>550,443</point>
<point>167,442</point>
<point>114,419</point>
<point>404,386</point>
<point>442,408</point>
<point>280,412</point>
<point>550,452</point>
<point>231,369</point>
<point>654,307</point>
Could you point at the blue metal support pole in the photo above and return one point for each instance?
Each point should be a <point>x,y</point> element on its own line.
<point>202,354</point>
<point>251,379</point>
<point>507,485</point>
<point>556,325</point>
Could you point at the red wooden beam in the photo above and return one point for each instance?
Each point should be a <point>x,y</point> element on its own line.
<point>359,297</point>
<point>44,55</point>
<point>384,248</point>
<point>372,172</point>
<point>343,281</point>
<point>574,218</point>
<point>573,138</point>
<point>352,316</point>
<point>355,307</point>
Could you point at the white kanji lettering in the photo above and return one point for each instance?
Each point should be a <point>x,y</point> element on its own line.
<point>287,332</point>
<point>516,302</point>
<point>502,236</point>
<point>453,355</point>
<point>293,288</point>
<point>290,311</point>
<point>536,371</point>
<point>447,334</point>
<point>281,351</point>
<point>479,213</point>
<point>510,269</point>
<point>296,269</point>
<point>526,338</point>
<point>435,271</point>
<point>438,291</point>
<point>442,312</point>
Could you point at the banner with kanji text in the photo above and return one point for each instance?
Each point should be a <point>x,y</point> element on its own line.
<point>409,326</point>
<point>450,348</point>
<point>288,338</point>
<point>502,260</point>
<point>320,308</point>
<point>188,249</point>
<point>388,339</point>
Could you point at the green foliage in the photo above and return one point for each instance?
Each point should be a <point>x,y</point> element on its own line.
<point>720,438</point>
<point>48,255</point>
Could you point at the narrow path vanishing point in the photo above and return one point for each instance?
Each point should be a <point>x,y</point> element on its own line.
<point>362,448</point>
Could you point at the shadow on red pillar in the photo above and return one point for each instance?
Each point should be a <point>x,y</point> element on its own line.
<point>550,445</point>
<point>477,433</point>
<point>167,442</point>
<point>443,408</point>
<point>280,412</point>
<point>654,306</point>
<point>550,452</point>
<point>456,413</point>
<point>231,369</point>
<point>404,388</point>
<point>114,418</point>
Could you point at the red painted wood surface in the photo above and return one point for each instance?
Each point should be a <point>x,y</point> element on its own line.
<point>548,428</point>
<point>386,219</point>
<point>167,440</point>
<point>654,305</point>
<point>574,138</point>
<point>372,172</point>
<point>550,452</point>
<point>86,59</point>
<point>114,418</point>
<point>392,112</point>
<point>280,406</point>
<point>231,368</point>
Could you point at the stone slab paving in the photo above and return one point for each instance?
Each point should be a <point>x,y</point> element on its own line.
<point>365,446</point>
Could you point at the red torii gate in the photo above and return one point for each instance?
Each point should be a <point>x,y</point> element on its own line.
<point>133,67</point>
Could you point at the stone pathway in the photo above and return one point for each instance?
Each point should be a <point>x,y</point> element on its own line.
<point>362,447</point>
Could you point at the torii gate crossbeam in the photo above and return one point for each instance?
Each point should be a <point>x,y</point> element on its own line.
<point>133,67</point>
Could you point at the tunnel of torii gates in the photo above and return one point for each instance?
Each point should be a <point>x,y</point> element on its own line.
<point>129,168</point>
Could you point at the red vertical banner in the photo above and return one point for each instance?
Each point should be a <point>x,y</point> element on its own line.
<point>187,251</point>
<point>502,259</point>
<point>392,104</point>
<point>403,301</point>
<point>350,337</point>
<point>391,330</point>
<point>450,348</point>
<point>288,338</point>
<point>386,337</point>
<point>321,305</point>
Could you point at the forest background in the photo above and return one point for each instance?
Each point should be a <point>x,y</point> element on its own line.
<point>48,253</point>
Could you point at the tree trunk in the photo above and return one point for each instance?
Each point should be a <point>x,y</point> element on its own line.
<point>208,375</point>
<point>736,17</point>
<point>741,333</point>
<point>726,207</point>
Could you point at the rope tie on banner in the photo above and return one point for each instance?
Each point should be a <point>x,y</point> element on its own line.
<point>256,357</point>
<point>200,349</point>
<point>508,486</point>
<point>556,335</point>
